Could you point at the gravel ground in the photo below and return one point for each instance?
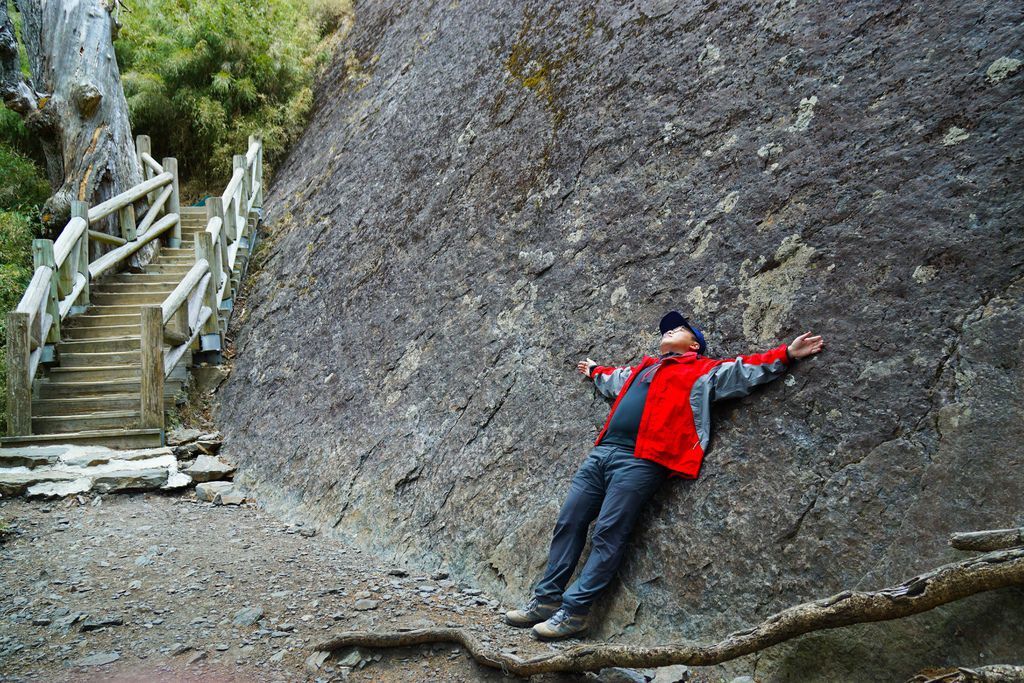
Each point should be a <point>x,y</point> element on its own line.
<point>148,587</point>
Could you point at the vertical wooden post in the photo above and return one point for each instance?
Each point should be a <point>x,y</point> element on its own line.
<point>42,255</point>
<point>144,144</point>
<point>214,208</point>
<point>173,204</point>
<point>258,173</point>
<point>152,368</point>
<point>81,210</point>
<point>246,189</point>
<point>19,385</point>
<point>229,213</point>
<point>126,218</point>
<point>204,250</point>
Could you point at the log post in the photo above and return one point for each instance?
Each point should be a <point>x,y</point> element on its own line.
<point>204,250</point>
<point>19,385</point>
<point>215,256</point>
<point>230,213</point>
<point>81,210</point>
<point>42,255</point>
<point>152,368</point>
<point>173,204</point>
<point>143,145</point>
<point>126,219</point>
<point>246,189</point>
<point>258,172</point>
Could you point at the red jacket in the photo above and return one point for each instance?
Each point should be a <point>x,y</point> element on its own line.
<point>676,423</point>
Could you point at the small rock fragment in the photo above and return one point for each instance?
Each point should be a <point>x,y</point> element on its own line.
<point>96,623</point>
<point>176,437</point>
<point>209,468</point>
<point>208,491</point>
<point>247,616</point>
<point>98,659</point>
<point>316,660</point>
<point>364,604</point>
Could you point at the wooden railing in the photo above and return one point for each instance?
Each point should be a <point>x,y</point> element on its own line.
<point>63,273</point>
<point>191,311</point>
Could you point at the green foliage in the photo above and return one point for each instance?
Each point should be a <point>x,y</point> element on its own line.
<point>201,76</point>
<point>23,186</point>
<point>16,233</point>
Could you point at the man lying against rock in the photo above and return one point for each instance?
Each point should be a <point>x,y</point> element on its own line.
<point>658,427</point>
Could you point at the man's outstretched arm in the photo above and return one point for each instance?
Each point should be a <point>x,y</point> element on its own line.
<point>608,380</point>
<point>738,376</point>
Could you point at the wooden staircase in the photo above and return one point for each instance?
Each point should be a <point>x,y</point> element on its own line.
<point>97,349</point>
<point>93,394</point>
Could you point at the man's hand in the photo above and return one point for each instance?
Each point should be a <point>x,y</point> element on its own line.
<point>805,345</point>
<point>584,366</point>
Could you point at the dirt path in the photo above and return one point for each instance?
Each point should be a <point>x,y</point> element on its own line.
<point>153,584</point>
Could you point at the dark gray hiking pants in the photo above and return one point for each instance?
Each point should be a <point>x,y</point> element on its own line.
<point>613,486</point>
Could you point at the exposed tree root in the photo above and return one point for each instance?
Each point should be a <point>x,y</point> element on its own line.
<point>942,585</point>
<point>992,673</point>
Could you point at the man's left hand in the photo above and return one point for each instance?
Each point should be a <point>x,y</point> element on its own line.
<point>805,345</point>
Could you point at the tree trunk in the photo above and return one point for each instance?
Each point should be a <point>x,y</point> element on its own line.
<point>73,102</point>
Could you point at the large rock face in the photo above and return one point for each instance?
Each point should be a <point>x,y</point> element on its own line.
<point>489,192</point>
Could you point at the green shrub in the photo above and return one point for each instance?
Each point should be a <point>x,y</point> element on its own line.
<point>23,185</point>
<point>201,76</point>
<point>16,233</point>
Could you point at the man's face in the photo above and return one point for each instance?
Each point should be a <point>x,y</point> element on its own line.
<point>679,340</point>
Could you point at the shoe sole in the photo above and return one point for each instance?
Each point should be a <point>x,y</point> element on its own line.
<point>548,639</point>
<point>524,624</point>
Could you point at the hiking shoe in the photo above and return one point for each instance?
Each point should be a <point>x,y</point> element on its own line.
<point>562,624</point>
<point>534,613</point>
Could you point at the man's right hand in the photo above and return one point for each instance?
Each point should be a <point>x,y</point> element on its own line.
<point>584,366</point>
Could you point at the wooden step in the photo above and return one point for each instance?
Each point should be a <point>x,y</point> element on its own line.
<point>119,309</point>
<point>169,269</point>
<point>135,288</point>
<point>79,405</point>
<point>189,261</point>
<point>144,278</point>
<point>94,374</point>
<point>128,298</point>
<point>101,360</point>
<point>49,389</point>
<point>108,419</point>
<point>89,320</point>
<point>112,438</point>
<point>101,345</point>
<point>85,332</point>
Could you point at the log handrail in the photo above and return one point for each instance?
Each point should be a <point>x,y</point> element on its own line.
<point>63,274</point>
<point>181,293</point>
<point>68,239</point>
<point>127,197</point>
<point>120,254</point>
<point>151,162</point>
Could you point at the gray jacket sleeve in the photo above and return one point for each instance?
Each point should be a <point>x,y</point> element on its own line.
<point>737,377</point>
<point>609,381</point>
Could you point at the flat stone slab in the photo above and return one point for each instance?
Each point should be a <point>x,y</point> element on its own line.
<point>30,456</point>
<point>59,489</point>
<point>177,480</point>
<point>131,480</point>
<point>92,456</point>
<point>176,437</point>
<point>14,481</point>
<point>91,468</point>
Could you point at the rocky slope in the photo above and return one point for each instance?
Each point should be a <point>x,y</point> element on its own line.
<point>490,191</point>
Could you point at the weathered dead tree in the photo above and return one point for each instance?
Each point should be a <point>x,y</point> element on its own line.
<point>73,101</point>
<point>945,584</point>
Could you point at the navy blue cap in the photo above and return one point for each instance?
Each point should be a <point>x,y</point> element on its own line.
<point>674,319</point>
